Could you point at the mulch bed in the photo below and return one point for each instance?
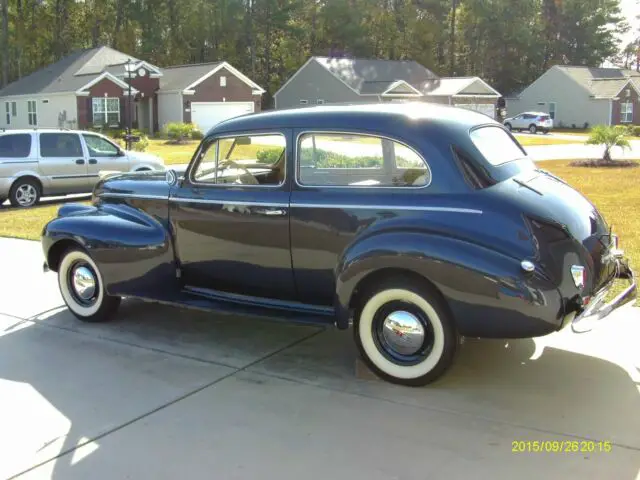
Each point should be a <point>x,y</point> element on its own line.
<point>600,163</point>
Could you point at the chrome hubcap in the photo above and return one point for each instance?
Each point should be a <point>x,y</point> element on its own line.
<point>26,195</point>
<point>84,283</point>
<point>403,332</point>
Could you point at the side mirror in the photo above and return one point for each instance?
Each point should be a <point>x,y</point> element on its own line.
<point>121,152</point>
<point>171,177</point>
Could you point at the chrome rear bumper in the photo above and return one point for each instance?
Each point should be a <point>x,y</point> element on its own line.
<point>597,309</point>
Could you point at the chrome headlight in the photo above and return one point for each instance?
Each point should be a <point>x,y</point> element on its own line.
<point>579,276</point>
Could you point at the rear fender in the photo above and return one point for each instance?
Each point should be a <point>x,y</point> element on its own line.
<point>487,292</point>
<point>133,250</point>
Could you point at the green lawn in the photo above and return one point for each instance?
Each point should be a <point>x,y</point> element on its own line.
<point>172,154</point>
<point>528,140</point>
<point>616,204</point>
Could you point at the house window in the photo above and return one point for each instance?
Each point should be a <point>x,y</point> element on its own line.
<point>304,102</point>
<point>106,111</point>
<point>8,109</point>
<point>32,112</point>
<point>626,112</point>
<point>320,101</point>
<point>223,81</point>
<point>552,110</point>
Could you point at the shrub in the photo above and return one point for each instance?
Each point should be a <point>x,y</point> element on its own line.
<point>141,145</point>
<point>586,125</point>
<point>196,133</point>
<point>178,132</point>
<point>635,131</point>
<point>609,137</point>
<point>269,156</point>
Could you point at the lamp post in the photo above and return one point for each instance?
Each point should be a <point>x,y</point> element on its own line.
<point>129,112</point>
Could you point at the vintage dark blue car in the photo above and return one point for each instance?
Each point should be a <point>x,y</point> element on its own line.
<point>417,223</point>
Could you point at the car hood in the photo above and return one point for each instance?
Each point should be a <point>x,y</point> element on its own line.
<point>143,157</point>
<point>147,184</point>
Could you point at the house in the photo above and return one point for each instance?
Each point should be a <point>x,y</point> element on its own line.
<point>576,96</point>
<point>327,80</point>
<point>90,88</point>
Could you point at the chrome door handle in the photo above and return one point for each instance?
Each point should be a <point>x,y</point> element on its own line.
<point>271,211</point>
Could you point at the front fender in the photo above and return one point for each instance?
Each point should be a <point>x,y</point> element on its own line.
<point>133,249</point>
<point>487,292</point>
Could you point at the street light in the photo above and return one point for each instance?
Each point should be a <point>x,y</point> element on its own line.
<point>130,74</point>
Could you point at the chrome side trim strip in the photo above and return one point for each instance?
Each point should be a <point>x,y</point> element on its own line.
<point>296,205</point>
<point>132,195</point>
<point>230,202</point>
<point>388,207</point>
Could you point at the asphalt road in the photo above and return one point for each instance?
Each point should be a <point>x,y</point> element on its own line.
<point>163,393</point>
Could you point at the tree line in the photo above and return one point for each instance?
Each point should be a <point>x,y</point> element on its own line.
<point>509,43</point>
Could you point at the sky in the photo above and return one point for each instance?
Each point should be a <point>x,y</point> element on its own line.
<point>630,9</point>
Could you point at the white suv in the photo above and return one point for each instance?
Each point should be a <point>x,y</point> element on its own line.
<point>44,162</point>
<point>532,121</point>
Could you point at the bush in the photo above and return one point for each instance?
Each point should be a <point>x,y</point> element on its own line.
<point>141,145</point>
<point>178,132</point>
<point>196,133</point>
<point>634,130</point>
<point>586,125</point>
<point>270,156</point>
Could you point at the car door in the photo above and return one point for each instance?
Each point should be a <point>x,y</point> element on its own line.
<point>230,215</point>
<point>103,155</point>
<point>62,162</point>
<point>345,184</point>
<point>517,122</point>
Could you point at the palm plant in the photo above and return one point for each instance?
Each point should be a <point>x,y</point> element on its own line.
<point>609,136</point>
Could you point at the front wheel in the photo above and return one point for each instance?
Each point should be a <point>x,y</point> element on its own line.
<point>404,333</point>
<point>509,127</point>
<point>82,287</point>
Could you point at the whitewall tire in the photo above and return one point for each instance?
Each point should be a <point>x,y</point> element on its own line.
<point>404,332</point>
<point>82,288</point>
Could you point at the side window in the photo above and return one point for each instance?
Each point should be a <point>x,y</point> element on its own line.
<point>15,146</point>
<point>334,159</point>
<point>243,160</point>
<point>60,145</point>
<point>99,147</point>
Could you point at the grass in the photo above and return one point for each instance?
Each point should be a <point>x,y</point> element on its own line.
<point>614,191</point>
<point>528,140</point>
<point>172,154</point>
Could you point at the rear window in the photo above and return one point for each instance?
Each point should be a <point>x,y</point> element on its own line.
<point>15,146</point>
<point>496,145</point>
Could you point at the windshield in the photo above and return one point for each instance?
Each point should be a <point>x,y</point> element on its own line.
<point>496,145</point>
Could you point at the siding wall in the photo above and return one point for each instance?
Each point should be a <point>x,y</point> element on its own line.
<point>211,91</point>
<point>616,108</point>
<point>573,105</point>
<point>314,82</point>
<point>170,108</point>
<point>48,114</point>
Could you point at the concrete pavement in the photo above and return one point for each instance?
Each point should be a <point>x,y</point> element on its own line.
<point>169,393</point>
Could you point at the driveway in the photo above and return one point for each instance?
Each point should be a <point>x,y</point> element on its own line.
<point>165,393</point>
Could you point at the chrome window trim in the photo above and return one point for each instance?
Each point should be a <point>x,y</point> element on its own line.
<point>260,133</point>
<point>354,133</point>
<point>241,203</point>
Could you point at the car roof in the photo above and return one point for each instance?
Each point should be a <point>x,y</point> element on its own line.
<point>4,131</point>
<point>369,116</point>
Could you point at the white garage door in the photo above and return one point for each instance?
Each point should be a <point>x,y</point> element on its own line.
<point>486,108</point>
<point>208,114</point>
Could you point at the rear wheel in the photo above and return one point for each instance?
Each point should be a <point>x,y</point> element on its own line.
<point>25,192</point>
<point>533,129</point>
<point>82,287</point>
<point>404,332</point>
